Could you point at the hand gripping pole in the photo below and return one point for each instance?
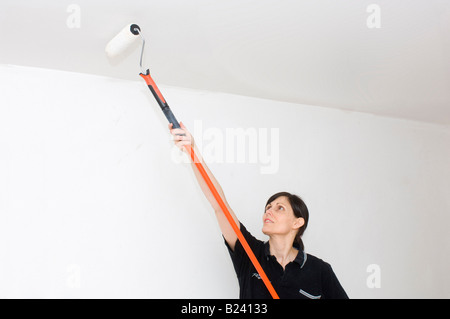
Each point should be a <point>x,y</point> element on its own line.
<point>171,118</point>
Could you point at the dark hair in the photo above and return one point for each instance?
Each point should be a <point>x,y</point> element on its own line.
<point>300,210</point>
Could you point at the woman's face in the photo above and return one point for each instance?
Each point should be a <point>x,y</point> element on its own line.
<point>279,218</point>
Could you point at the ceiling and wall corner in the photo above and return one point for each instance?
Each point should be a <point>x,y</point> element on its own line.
<point>320,52</point>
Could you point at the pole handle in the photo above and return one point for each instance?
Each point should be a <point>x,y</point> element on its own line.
<point>160,99</point>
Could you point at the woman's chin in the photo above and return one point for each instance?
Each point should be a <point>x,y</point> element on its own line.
<point>266,230</point>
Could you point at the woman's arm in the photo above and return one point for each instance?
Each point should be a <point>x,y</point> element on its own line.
<point>227,231</point>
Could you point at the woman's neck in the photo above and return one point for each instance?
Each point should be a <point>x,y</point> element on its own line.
<point>282,249</point>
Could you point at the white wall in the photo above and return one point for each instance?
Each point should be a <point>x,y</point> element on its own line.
<point>94,204</point>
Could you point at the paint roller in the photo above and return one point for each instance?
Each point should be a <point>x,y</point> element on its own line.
<point>122,40</point>
<point>119,44</point>
<point>115,47</point>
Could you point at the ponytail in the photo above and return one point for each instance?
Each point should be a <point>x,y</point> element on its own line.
<point>298,242</point>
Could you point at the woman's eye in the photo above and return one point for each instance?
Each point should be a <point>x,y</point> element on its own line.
<point>280,207</point>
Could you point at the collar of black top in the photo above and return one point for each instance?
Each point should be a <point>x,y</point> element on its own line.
<point>300,259</point>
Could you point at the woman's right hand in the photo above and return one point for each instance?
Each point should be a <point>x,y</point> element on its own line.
<point>181,136</point>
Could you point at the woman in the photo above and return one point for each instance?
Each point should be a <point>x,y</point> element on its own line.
<point>292,272</point>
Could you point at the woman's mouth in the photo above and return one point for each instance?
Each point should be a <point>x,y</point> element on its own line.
<point>267,220</point>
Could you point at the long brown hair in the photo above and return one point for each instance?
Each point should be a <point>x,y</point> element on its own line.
<point>300,210</point>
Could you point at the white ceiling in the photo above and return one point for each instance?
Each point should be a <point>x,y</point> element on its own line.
<point>317,52</point>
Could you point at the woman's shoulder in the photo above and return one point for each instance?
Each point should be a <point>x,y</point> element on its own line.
<point>330,284</point>
<point>254,243</point>
<point>314,261</point>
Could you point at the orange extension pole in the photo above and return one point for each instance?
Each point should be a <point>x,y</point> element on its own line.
<point>171,118</point>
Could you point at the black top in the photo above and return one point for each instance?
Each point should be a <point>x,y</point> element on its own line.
<point>306,277</point>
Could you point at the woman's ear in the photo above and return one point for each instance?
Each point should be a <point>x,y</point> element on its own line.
<point>299,222</point>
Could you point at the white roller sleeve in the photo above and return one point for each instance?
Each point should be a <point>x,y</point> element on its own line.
<point>120,42</point>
